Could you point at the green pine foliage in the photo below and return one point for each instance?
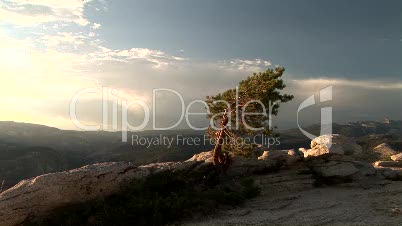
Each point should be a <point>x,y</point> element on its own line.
<point>260,89</point>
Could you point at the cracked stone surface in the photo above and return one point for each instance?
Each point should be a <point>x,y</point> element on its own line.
<point>37,196</point>
<point>379,204</point>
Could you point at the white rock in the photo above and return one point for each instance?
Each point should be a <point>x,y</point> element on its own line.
<point>274,155</point>
<point>302,150</point>
<point>397,157</point>
<point>322,152</point>
<point>333,144</point>
<point>264,156</point>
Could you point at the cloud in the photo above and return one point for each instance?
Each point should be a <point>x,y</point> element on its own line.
<point>31,78</point>
<point>63,38</point>
<point>367,84</point>
<point>156,57</point>
<point>49,77</point>
<point>353,100</point>
<point>96,26</point>
<point>246,64</point>
<point>31,13</point>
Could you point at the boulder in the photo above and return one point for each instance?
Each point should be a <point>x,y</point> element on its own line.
<point>384,151</point>
<point>390,174</point>
<point>397,157</point>
<point>302,150</point>
<point>332,158</point>
<point>39,195</point>
<point>295,153</point>
<point>274,155</point>
<point>203,156</point>
<point>388,164</point>
<point>336,144</point>
<point>292,159</point>
<point>344,158</point>
<point>365,168</point>
<point>334,169</point>
<point>264,156</point>
<point>322,152</point>
<point>336,158</point>
<point>287,157</point>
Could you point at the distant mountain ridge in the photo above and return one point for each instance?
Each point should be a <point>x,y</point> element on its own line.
<point>28,150</point>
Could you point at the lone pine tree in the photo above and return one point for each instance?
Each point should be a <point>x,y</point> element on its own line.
<point>244,111</point>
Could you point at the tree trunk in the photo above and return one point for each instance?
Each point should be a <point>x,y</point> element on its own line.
<point>219,158</point>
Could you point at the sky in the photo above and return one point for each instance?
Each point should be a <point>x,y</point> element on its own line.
<point>50,50</point>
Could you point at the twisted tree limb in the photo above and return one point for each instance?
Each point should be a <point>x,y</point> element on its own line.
<point>221,159</point>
